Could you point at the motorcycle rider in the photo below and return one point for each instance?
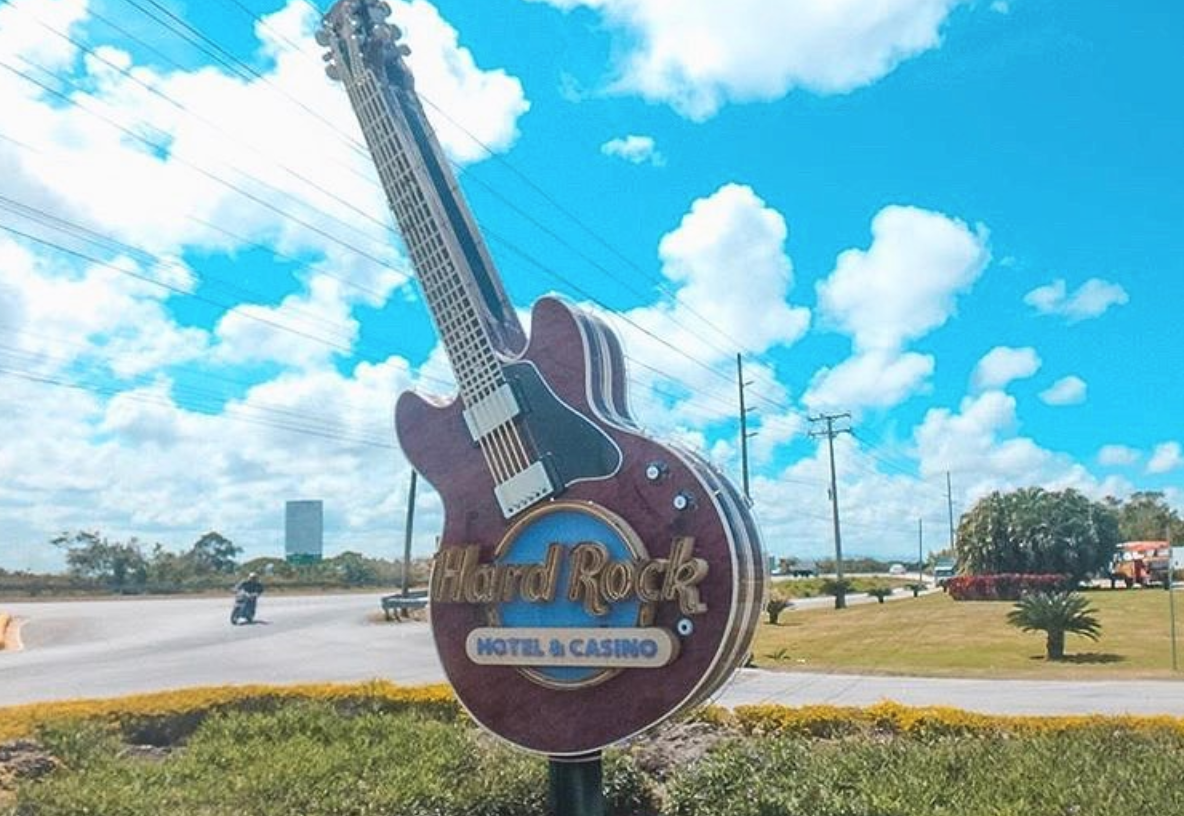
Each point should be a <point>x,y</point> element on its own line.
<point>247,593</point>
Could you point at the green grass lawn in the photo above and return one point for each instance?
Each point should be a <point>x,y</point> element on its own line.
<point>935,635</point>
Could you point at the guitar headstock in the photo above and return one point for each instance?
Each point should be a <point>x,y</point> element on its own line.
<point>359,39</point>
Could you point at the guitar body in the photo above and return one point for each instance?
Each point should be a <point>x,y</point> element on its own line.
<point>571,382</point>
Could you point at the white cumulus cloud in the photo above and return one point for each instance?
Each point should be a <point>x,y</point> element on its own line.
<point>1069,390</point>
<point>634,149</point>
<point>697,55</point>
<point>1117,455</point>
<point>1004,364</point>
<point>1092,299</point>
<point>1166,457</point>
<point>902,287</point>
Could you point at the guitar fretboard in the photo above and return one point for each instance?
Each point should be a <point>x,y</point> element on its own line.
<point>433,251</point>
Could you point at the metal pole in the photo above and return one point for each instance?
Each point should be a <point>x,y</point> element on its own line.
<point>1172,595</point>
<point>841,595</point>
<point>950,504</point>
<point>576,786</point>
<point>743,426</point>
<point>407,535</point>
<point>920,551</point>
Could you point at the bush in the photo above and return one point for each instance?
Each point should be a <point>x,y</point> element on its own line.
<point>1004,586</point>
<point>775,606</point>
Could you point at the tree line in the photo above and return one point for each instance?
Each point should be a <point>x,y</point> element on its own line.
<point>96,563</point>
<point>1033,530</point>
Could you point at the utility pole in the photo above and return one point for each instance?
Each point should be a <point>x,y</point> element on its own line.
<point>920,551</point>
<point>407,535</point>
<point>950,504</point>
<point>830,433</point>
<point>1172,593</point>
<point>744,434</point>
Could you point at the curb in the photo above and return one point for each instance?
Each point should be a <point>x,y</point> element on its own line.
<point>10,639</point>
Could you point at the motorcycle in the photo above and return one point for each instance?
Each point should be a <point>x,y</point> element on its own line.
<point>244,607</point>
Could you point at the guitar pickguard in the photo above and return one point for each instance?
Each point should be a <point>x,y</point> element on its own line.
<point>571,447</point>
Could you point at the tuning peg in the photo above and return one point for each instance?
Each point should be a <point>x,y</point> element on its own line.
<point>404,51</point>
<point>333,72</point>
<point>380,9</point>
<point>323,37</point>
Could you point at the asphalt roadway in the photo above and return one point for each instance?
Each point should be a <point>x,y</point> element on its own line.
<point>108,648</point>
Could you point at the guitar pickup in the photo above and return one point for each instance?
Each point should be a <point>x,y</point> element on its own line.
<point>491,412</point>
<point>524,489</point>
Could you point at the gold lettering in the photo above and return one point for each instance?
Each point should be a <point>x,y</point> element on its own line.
<point>617,581</point>
<point>649,581</point>
<point>683,577</point>
<point>450,572</point>
<point>540,581</point>
<point>588,559</point>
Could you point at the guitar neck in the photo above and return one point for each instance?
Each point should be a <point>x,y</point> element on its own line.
<point>467,302</point>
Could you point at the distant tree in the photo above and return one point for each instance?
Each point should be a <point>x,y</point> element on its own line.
<point>214,552</point>
<point>121,566</point>
<point>355,569</point>
<point>880,592</point>
<point>1056,614</point>
<point>1146,516</point>
<point>1037,531</point>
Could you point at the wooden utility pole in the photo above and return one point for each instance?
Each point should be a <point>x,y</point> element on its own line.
<point>830,433</point>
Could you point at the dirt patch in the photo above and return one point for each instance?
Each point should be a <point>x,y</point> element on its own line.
<point>22,760</point>
<point>676,745</point>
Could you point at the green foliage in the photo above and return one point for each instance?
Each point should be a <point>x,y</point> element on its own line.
<point>1056,614</point>
<point>317,759</point>
<point>1146,516</point>
<point>120,566</point>
<point>1037,531</point>
<point>1090,772</point>
<point>880,592</point>
<point>214,553</point>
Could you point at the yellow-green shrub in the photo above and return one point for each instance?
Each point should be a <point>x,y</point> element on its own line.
<point>893,718</point>
<point>164,716</point>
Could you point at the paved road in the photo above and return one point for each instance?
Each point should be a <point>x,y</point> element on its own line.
<point>108,648</point>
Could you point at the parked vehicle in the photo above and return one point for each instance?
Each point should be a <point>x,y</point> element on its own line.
<point>1141,562</point>
<point>244,607</point>
<point>896,569</point>
<point>944,571</point>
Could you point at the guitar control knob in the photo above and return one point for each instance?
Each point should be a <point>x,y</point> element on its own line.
<point>654,471</point>
<point>683,501</point>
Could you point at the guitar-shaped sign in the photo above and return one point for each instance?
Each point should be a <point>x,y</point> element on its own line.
<point>590,581</point>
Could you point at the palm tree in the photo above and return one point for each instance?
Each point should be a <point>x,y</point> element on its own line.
<point>1056,613</point>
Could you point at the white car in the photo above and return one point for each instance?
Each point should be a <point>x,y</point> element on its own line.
<point>896,569</point>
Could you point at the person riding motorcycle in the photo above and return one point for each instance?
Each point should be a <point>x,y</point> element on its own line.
<point>246,595</point>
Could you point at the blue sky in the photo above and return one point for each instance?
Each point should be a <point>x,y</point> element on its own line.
<point>956,220</point>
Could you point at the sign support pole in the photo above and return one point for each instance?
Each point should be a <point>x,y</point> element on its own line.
<point>576,786</point>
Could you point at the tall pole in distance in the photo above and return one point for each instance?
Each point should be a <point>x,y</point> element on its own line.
<point>1171,594</point>
<point>950,504</point>
<point>744,434</point>
<point>407,535</point>
<point>920,551</point>
<point>830,433</point>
